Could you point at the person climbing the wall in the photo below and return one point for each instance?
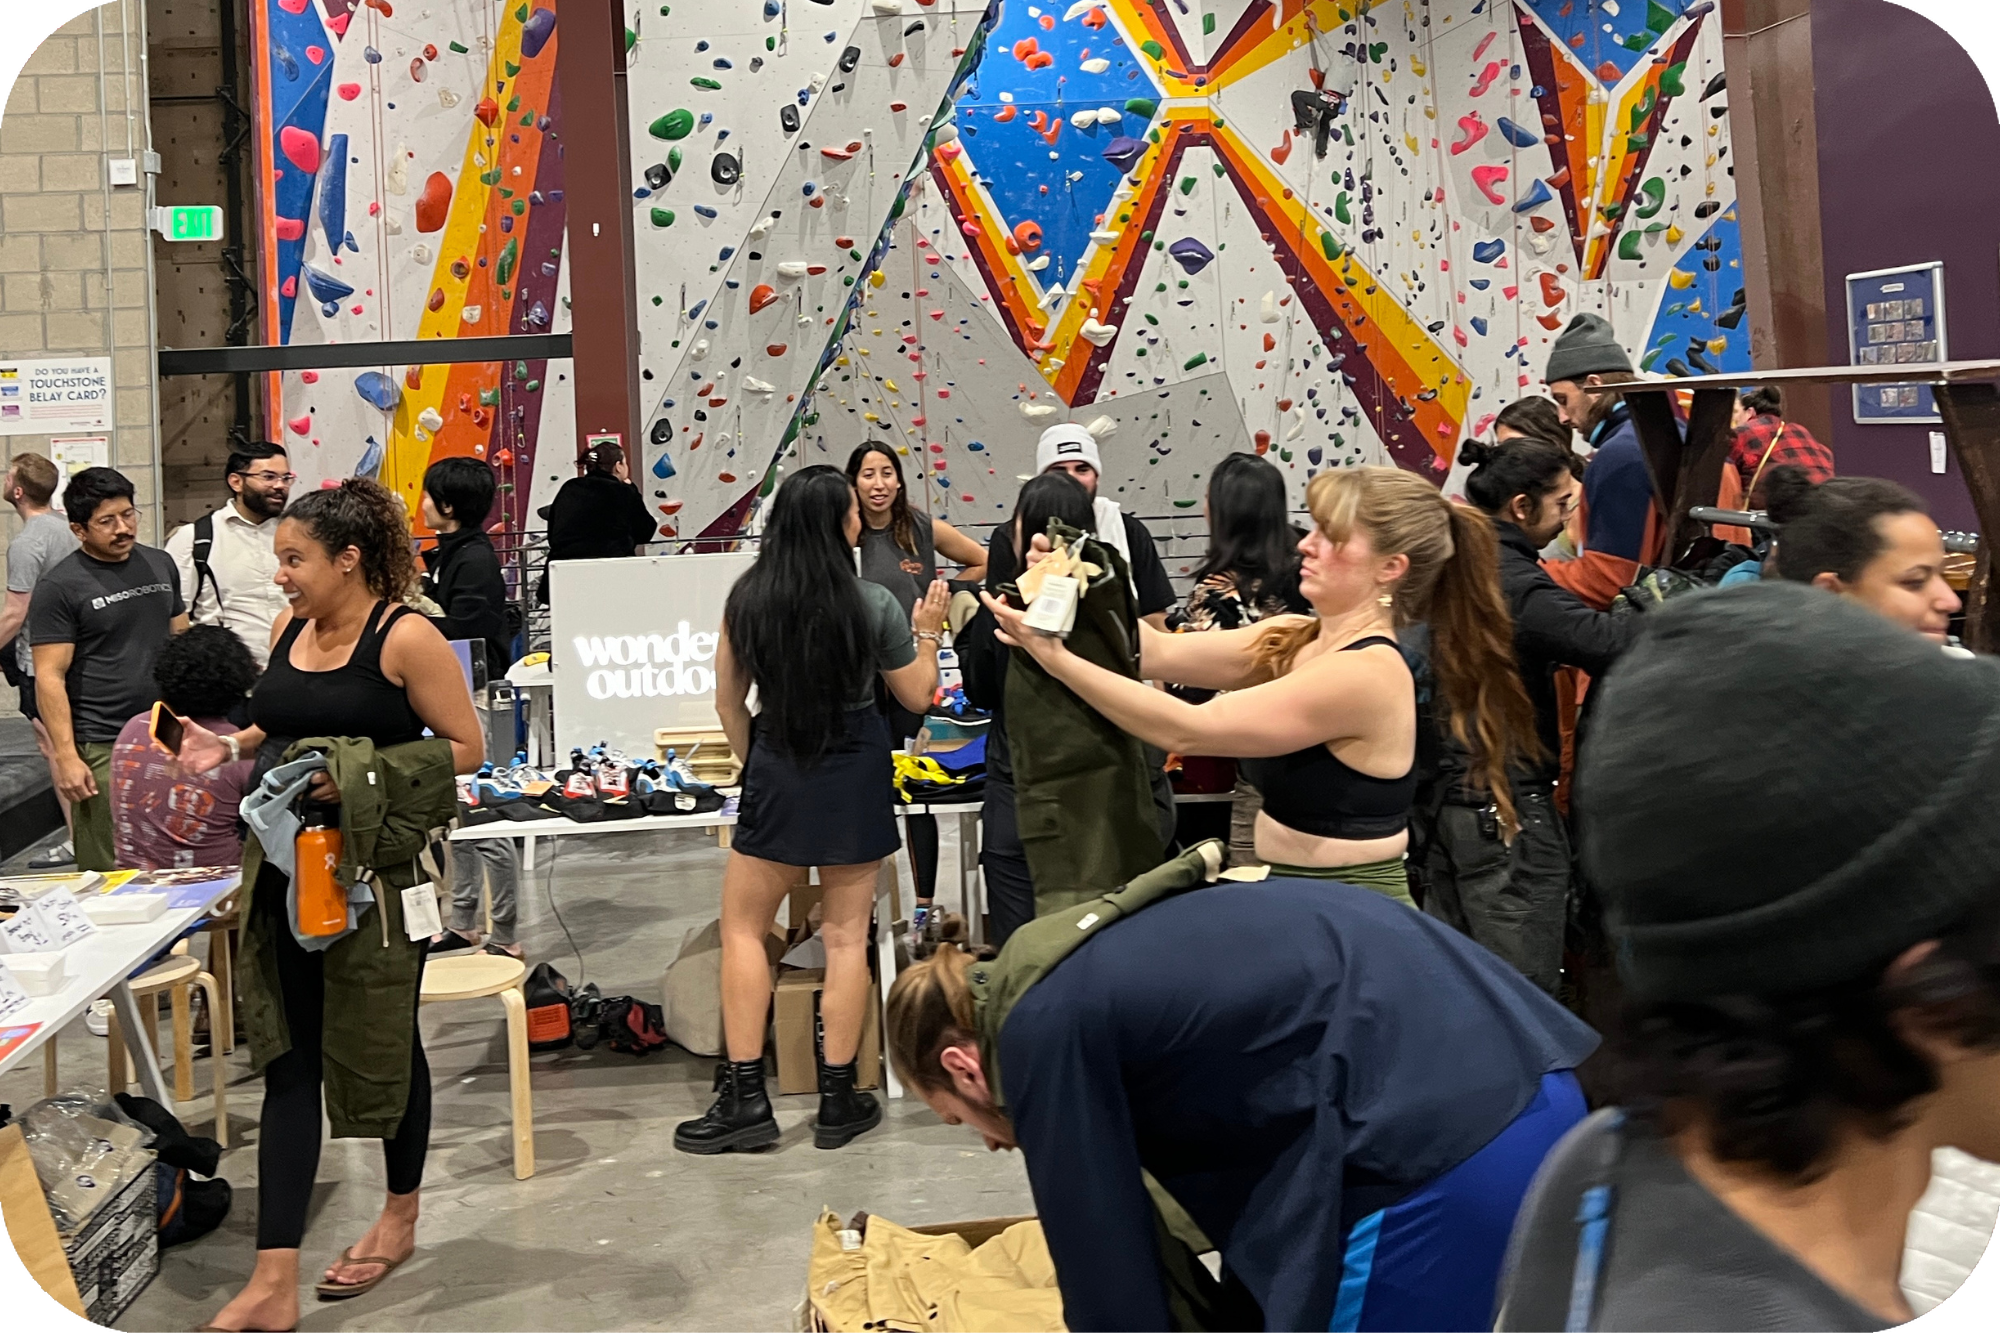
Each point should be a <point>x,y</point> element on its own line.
<point>1222,1051</point>
<point>1622,524</point>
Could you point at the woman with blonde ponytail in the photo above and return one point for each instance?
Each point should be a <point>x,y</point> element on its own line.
<point>1323,709</point>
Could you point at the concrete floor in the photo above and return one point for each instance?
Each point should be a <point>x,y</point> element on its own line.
<point>615,1230</point>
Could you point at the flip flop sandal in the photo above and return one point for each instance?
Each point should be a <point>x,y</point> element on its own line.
<point>341,1291</point>
<point>211,1328</point>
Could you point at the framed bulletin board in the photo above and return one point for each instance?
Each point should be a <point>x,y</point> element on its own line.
<point>1895,316</point>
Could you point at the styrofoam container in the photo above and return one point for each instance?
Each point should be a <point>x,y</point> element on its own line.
<point>125,909</point>
<point>37,973</point>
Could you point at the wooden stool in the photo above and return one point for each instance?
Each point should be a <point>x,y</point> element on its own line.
<point>177,975</point>
<point>223,919</point>
<point>473,977</point>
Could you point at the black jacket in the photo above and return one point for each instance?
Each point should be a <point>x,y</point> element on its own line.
<point>1552,628</point>
<point>462,575</point>
<point>596,517</point>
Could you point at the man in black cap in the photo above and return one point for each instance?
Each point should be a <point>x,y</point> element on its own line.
<point>1788,804</point>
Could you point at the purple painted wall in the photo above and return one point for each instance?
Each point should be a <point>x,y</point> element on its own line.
<point>1907,152</point>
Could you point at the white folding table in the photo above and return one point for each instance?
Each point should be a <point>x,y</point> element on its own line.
<point>98,968</point>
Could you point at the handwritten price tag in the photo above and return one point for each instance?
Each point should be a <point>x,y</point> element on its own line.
<point>61,919</point>
<point>12,998</point>
<point>25,934</point>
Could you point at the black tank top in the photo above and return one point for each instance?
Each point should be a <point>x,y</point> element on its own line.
<point>355,700</point>
<point>1313,792</point>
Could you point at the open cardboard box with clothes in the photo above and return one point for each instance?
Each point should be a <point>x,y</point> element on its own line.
<point>986,1276</point>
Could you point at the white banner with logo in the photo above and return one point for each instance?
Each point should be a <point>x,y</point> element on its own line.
<point>632,646</point>
<point>54,396</point>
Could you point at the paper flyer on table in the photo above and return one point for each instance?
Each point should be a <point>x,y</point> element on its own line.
<point>192,887</point>
<point>12,1038</point>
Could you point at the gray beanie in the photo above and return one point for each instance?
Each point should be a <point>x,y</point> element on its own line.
<point>1781,790</point>
<point>1586,347</point>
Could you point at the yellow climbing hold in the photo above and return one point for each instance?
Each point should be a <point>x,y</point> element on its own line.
<point>1673,235</point>
<point>1680,281</point>
<point>1411,140</point>
<point>1717,346</point>
<point>1417,67</point>
<point>877,278</point>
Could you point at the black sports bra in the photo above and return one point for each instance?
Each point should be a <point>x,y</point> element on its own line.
<point>1313,792</point>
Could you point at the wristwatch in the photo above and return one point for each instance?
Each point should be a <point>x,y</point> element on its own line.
<point>235,747</point>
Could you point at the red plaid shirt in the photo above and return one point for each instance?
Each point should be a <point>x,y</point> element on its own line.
<point>1786,441</point>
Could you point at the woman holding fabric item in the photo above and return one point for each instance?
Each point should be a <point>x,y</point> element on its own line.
<point>899,551</point>
<point>1010,887</point>
<point>1324,712</point>
<point>348,660</point>
<point>1232,1042</point>
<point>812,638</point>
<point>1251,573</point>
<point>1810,940</point>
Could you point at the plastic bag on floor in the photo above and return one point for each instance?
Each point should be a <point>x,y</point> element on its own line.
<point>83,1148</point>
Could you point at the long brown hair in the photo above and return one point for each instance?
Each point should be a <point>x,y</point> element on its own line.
<point>930,1009</point>
<point>1453,583</point>
<point>901,522</point>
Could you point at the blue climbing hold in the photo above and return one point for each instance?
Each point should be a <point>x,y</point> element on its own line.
<point>663,466</point>
<point>1124,152</point>
<point>1537,195</point>
<point>379,390</point>
<point>704,210</point>
<point>325,287</point>
<point>370,463</point>
<point>1517,135</point>
<point>1478,325</point>
<point>1191,254</point>
<point>1488,251</point>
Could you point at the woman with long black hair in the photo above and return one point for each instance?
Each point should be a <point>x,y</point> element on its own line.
<point>1010,890</point>
<point>812,637</point>
<point>1251,572</point>
<point>899,550</point>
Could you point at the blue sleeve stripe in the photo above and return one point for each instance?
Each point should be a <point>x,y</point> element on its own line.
<point>1355,1272</point>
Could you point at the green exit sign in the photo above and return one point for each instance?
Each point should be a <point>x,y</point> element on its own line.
<point>189,222</point>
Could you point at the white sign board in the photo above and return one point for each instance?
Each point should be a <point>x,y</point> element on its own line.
<point>632,646</point>
<point>73,453</point>
<point>53,397</point>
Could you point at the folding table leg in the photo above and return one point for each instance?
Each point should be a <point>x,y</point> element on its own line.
<point>143,1056</point>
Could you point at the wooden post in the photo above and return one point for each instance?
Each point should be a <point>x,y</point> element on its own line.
<point>1686,468</point>
<point>1971,412</point>
<point>590,61</point>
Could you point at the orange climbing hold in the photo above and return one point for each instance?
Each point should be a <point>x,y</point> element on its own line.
<point>1005,114</point>
<point>1263,441</point>
<point>776,349</point>
<point>487,111</point>
<point>762,295</point>
<point>1270,343</point>
<point>434,204</point>
<point>1028,235</point>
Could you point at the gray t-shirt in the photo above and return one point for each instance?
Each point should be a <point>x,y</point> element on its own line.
<point>889,633</point>
<point>118,616</point>
<point>42,540</point>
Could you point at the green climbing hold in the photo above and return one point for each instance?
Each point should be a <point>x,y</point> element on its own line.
<point>489,397</point>
<point>490,177</point>
<point>1187,185</point>
<point>1635,142</point>
<point>855,255</point>
<point>521,14</point>
<point>1182,284</point>
<point>676,124</point>
<point>1658,18</point>
<point>1198,359</point>
<point>1189,504</point>
<point>520,206</point>
<point>1208,24</point>
<point>513,103</point>
<point>1651,359</point>
<point>461,48</point>
<point>510,255</point>
<point>1644,110</point>
<point>1160,287</point>
<point>662,217</point>
<point>512,68</point>
<point>896,209</point>
<point>1219,170</point>
<point>1146,236</point>
<point>632,38</point>
<point>701,82</point>
<point>1638,41</point>
<point>657,211</point>
<point>1328,246</point>
<point>1141,106</point>
<point>534,385</point>
<point>1341,211</point>
<point>1612,211</point>
<point>1674,82</point>
<point>1653,196</point>
<point>674,160</point>
<point>1154,320</point>
<point>1285,454</point>
<point>1376,50</point>
<point>1153,49</point>
<point>1628,248</point>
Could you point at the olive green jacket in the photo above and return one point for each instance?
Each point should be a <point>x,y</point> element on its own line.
<point>1083,793</point>
<point>1195,1298</point>
<point>393,802</point>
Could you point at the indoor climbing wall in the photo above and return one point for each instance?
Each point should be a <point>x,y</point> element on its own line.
<point>1327,231</point>
<point>412,187</point>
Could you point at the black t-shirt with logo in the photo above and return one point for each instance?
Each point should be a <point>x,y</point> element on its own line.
<point>118,616</point>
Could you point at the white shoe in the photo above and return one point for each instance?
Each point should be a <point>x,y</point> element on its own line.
<point>54,858</point>
<point>98,1018</point>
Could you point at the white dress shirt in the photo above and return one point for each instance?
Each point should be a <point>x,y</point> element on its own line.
<point>240,593</point>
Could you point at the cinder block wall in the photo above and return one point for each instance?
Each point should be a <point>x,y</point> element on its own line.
<point>76,266</point>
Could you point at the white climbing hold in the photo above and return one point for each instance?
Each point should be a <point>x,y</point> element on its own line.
<point>755,385</point>
<point>392,224</point>
<point>1054,294</point>
<point>396,178</point>
<point>816,82</point>
<point>472,313</point>
<point>699,351</point>
<point>1079,9</point>
<point>430,419</point>
<point>885,8</point>
<point>1095,333</point>
<point>763,225</point>
<point>1083,119</point>
<point>793,268</point>
<point>1298,426</point>
<point>1039,264</point>
<point>1267,309</point>
<point>1037,411</point>
<point>1104,237</point>
<point>1109,115</point>
<point>947,133</point>
<point>1101,427</point>
<point>421,253</point>
<point>1096,65</point>
<point>447,98</point>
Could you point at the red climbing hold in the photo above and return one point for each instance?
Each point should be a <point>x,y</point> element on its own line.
<point>776,349</point>
<point>300,425</point>
<point>1552,290</point>
<point>844,242</point>
<point>300,147</point>
<point>726,478</point>
<point>290,288</point>
<point>290,229</point>
<point>487,111</point>
<point>1270,343</point>
<point>762,295</point>
<point>434,204</point>
<point>436,303</point>
<point>348,91</point>
<point>1263,441</point>
<point>309,376</point>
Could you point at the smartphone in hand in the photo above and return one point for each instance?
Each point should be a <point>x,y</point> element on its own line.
<point>168,728</point>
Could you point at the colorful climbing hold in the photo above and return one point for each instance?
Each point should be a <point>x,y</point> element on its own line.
<point>676,124</point>
<point>434,204</point>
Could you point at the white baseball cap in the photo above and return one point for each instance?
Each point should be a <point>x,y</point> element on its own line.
<point>1067,443</point>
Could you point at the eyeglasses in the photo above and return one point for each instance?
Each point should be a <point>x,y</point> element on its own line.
<point>287,477</point>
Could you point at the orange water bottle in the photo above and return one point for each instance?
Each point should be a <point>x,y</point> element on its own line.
<point>321,898</point>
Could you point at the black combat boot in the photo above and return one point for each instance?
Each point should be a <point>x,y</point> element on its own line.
<point>739,1120</point>
<point>844,1113</point>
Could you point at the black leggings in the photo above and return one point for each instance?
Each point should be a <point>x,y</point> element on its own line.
<point>289,1140</point>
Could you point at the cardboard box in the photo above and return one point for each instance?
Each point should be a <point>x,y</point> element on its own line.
<point>796,1032</point>
<point>116,1251</point>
